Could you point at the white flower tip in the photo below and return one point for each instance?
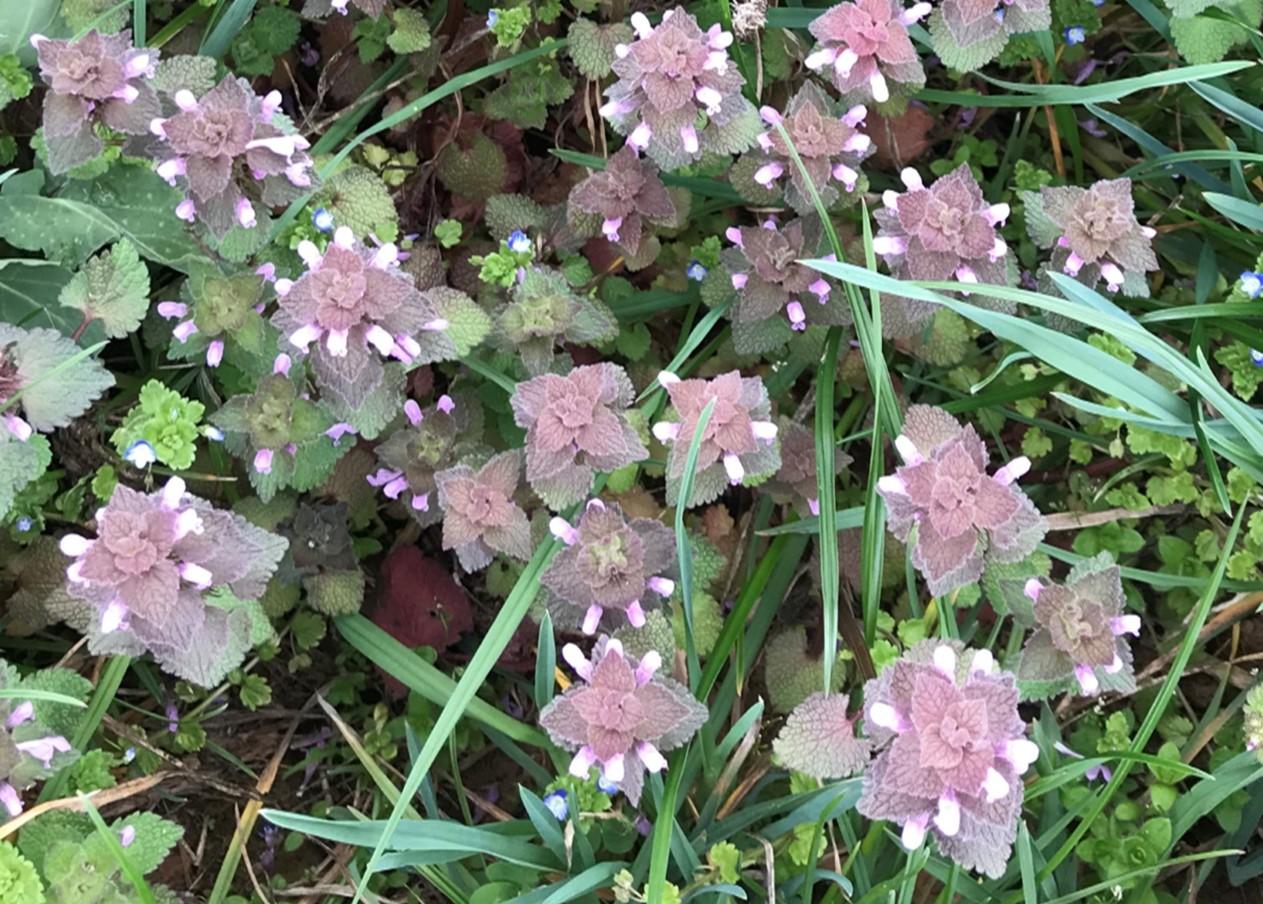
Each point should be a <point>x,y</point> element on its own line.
<point>613,769</point>
<point>892,485</point>
<point>907,450</point>
<point>1126,624</point>
<point>1088,683</point>
<point>883,715</point>
<point>735,470</point>
<point>1013,471</point>
<point>945,660</point>
<point>562,529</point>
<point>592,619</point>
<point>1021,752</point>
<point>74,545</point>
<point>911,179</point>
<point>764,430</point>
<point>995,786</point>
<point>635,614</point>
<point>1032,588</point>
<point>913,834</point>
<point>881,91</point>
<point>343,237</point>
<point>650,755</point>
<point>947,818</point>
<point>667,378</point>
<point>185,100</point>
<point>983,662</point>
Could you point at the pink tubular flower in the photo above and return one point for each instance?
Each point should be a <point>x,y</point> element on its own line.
<point>621,715</point>
<point>952,514</point>
<point>146,573</point>
<point>865,48</point>
<point>628,195</point>
<point>771,283</point>
<point>575,425</point>
<point>733,444</point>
<point>1101,238</point>
<point>829,146</point>
<point>230,155</point>
<point>609,563</point>
<point>676,89</point>
<point>951,752</point>
<point>95,80</point>
<point>944,231</point>
<point>1081,638</point>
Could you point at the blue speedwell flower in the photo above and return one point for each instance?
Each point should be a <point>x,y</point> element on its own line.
<point>605,786</point>
<point>695,271</point>
<point>140,454</point>
<point>557,804</point>
<point>1252,283</point>
<point>322,220</point>
<point>1256,357</point>
<point>519,242</point>
<point>493,17</point>
<point>1075,34</point>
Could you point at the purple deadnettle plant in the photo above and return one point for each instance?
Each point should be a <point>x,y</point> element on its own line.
<point>865,48</point>
<point>611,562</point>
<point>575,426</point>
<point>951,750</point>
<point>829,146</point>
<point>96,80</point>
<point>738,444</point>
<point>764,271</point>
<point>434,439</point>
<point>628,196</point>
<point>1081,638</point>
<point>946,231</point>
<point>230,155</point>
<point>353,307</point>
<point>954,516</point>
<point>29,750</point>
<point>967,34</point>
<point>678,94</point>
<point>621,716</point>
<point>148,576</point>
<point>795,481</point>
<point>1097,236</point>
<point>819,739</point>
<point>480,517</point>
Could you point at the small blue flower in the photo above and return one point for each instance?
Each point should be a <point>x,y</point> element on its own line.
<point>23,524</point>
<point>1256,357</point>
<point>1252,283</point>
<point>128,755</point>
<point>140,454</point>
<point>557,804</point>
<point>1098,2</point>
<point>492,18</point>
<point>519,242</point>
<point>605,786</point>
<point>999,14</point>
<point>695,271</point>
<point>322,220</point>
<point>214,434</point>
<point>1075,34</point>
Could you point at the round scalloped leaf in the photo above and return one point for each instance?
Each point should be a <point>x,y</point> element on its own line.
<point>20,463</point>
<point>335,592</point>
<point>55,387</point>
<point>819,739</point>
<point>592,46</point>
<point>467,324</point>
<point>113,288</point>
<point>963,59</point>
<point>359,200</point>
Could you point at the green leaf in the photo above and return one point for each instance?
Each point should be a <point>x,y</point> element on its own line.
<point>112,287</point>
<point>468,324</point>
<point>155,837</point>
<point>58,380</point>
<point>592,46</point>
<point>411,34</point>
<point>28,294</point>
<point>336,592</point>
<point>20,463</point>
<point>127,202</point>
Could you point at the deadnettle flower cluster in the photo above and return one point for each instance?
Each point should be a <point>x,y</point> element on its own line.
<point>480,517</point>
<point>434,439</point>
<point>739,438</point>
<point>621,715</point>
<point>611,562</point>
<point>953,515</point>
<point>628,196</point>
<point>356,305</point>
<point>830,148</point>
<point>769,282</point>
<point>865,47</point>
<point>676,89</point>
<point>944,232</point>
<point>10,383</point>
<point>795,481</point>
<point>575,426</point>
<point>1082,631</point>
<point>147,573</point>
<point>1100,236</point>
<point>230,156</point>
<point>98,79</point>
<point>951,753</point>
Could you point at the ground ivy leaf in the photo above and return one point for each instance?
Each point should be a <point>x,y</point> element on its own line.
<point>20,463</point>
<point>112,287</point>
<point>52,397</point>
